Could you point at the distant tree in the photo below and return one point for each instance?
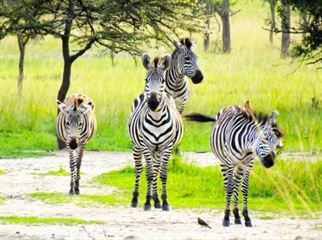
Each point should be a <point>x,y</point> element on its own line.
<point>8,10</point>
<point>120,26</point>
<point>285,14</point>
<point>272,20</point>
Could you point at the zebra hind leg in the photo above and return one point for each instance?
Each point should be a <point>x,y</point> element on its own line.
<point>137,154</point>
<point>164,175</point>
<point>248,222</point>
<point>156,170</point>
<point>237,179</point>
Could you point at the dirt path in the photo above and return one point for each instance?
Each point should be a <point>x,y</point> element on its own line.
<point>121,222</point>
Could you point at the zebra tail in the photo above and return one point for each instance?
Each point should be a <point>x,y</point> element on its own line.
<point>198,117</point>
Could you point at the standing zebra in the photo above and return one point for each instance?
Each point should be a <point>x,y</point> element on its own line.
<point>155,126</point>
<point>237,137</point>
<point>76,124</point>
<point>183,63</point>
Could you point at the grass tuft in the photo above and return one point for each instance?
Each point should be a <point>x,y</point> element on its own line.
<point>32,220</point>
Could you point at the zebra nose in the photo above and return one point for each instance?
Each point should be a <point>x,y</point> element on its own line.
<point>73,144</point>
<point>268,160</point>
<point>198,77</point>
<point>153,102</point>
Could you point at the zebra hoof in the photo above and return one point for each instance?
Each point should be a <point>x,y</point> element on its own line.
<point>76,192</point>
<point>165,207</point>
<point>157,205</point>
<point>237,221</point>
<point>248,223</point>
<point>71,192</point>
<point>134,204</point>
<point>147,207</point>
<point>226,223</point>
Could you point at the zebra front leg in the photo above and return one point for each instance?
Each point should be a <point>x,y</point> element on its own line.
<point>149,178</point>
<point>78,165</point>
<point>72,166</point>
<point>248,222</point>
<point>237,179</point>
<point>156,170</point>
<point>227,172</point>
<point>163,176</point>
<point>137,154</point>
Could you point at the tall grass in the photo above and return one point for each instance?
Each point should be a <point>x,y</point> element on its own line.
<point>253,71</point>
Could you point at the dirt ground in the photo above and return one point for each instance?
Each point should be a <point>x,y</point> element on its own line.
<point>123,222</point>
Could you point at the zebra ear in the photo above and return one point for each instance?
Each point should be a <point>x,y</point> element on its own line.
<point>271,119</point>
<point>87,109</point>
<point>176,44</point>
<point>165,62</point>
<point>146,61</point>
<point>61,106</point>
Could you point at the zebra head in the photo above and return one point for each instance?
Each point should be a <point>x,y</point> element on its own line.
<point>264,149</point>
<point>75,119</point>
<point>271,130</point>
<point>155,79</point>
<point>186,60</point>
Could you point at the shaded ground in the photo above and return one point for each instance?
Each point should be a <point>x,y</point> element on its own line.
<point>123,222</point>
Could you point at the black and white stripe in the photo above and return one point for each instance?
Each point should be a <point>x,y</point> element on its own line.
<point>76,124</point>
<point>155,127</point>
<point>183,63</point>
<point>237,138</point>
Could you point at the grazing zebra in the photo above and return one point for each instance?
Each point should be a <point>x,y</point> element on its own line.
<point>76,124</point>
<point>184,63</point>
<point>155,126</point>
<point>237,137</point>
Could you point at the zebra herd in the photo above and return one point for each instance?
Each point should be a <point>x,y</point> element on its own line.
<point>155,127</point>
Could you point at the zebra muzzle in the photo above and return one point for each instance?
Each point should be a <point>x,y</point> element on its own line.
<point>198,77</point>
<point>73,143</point>
<point>153,102</point>
<point>268,160</point>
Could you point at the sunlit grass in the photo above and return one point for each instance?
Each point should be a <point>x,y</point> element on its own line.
<point>293,187</point>
<point>31,220</point>
<point>252,71</point>
<point>2,172</point>
<point>59,172</point>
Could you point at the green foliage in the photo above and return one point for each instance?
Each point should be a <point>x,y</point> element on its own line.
<point>60,172</point>
<point>82,200</point>
<point>45,220</point>
<point>291,185</point>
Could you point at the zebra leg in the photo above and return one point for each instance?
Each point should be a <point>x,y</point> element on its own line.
<point>237,179</point>
<point>72,165</point>
<point>248,222</point>
<point>156,170</point>
<point>163,175</point>
<point>137,154</point>
<point>78,165</point>
<point>227,172</point>
<point>149,178</point>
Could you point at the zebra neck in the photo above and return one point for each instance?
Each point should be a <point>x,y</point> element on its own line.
<point>173,77</point>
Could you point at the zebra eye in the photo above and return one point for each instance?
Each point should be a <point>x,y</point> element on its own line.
<point>68,123</point>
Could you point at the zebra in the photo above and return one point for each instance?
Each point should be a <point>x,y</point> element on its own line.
<point>155,127</point>
<point>237,137</point>
<point>184,63</point>
<point>75,125</point>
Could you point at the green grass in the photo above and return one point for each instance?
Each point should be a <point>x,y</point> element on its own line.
<point>2,199</point>
<point>291,185</point>
<point>252,71</point>
<point>82,200</point>
<point>59,172</point>
<point>32,220</point>
<point>2,172</point>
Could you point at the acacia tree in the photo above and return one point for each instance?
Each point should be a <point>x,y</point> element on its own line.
<point>285,13</point>
<point>272,19</point>
<point>120,26</point>
<point>10,10</point>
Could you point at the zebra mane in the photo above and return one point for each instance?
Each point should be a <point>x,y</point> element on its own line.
<point>78,101</point>
<point>156,61</point>
<point>262,118</point>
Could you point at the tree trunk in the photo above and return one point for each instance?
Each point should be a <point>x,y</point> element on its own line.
<point>206,35</point>
<point>225,27</point>
<point>22,46</point>
<point>273,22</point>
<point>304,21</point>
<point>286,24</point>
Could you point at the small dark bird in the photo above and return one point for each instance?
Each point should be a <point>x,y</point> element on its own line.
<point>203,223</point>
